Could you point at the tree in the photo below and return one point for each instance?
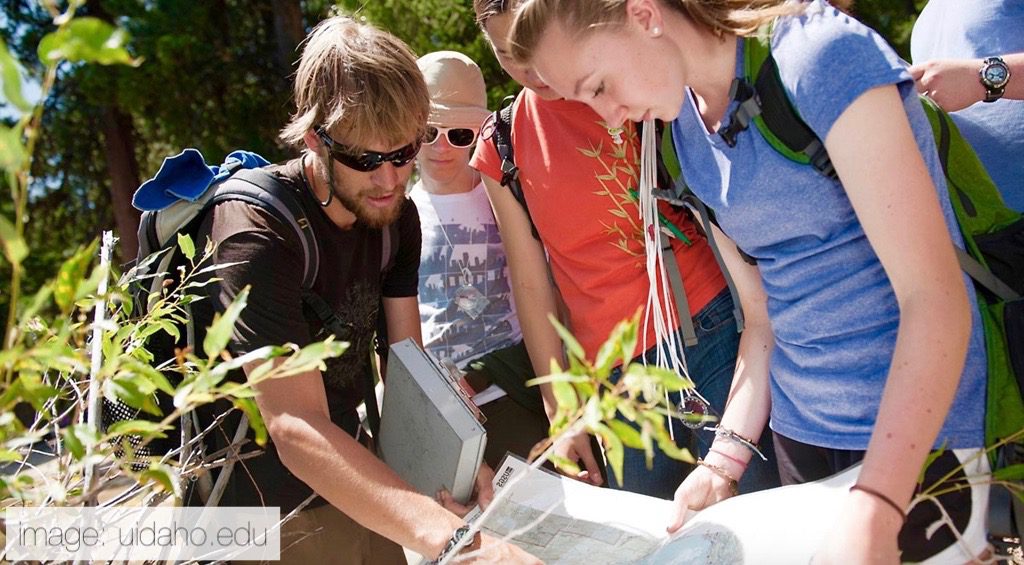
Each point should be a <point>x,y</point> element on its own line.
<point>213,75</point>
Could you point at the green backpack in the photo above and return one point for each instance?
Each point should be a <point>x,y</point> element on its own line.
<point>993,235</point>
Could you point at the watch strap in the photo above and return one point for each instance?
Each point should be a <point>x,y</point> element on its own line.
<point>993,92</point>
<point>456,544</point>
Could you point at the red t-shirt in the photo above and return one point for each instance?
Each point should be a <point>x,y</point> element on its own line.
<point>576,182</point>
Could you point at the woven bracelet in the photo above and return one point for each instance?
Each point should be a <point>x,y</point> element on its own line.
<point>881,497</point>
<point>727,434</point>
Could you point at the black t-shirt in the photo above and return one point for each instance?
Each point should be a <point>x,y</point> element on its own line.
<point>350,280</point>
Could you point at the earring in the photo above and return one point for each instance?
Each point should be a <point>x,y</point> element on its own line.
<point>656,31</point>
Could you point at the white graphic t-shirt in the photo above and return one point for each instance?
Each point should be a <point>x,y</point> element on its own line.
<point>466,306</point>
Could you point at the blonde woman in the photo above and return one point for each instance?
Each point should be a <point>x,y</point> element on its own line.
<point>859,341</point>
<point>570,167</point>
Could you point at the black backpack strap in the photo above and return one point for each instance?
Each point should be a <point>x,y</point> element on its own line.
<point>502,139</point>
<point>785,123</point>
<point>333,324</point>
<point>260,188</point>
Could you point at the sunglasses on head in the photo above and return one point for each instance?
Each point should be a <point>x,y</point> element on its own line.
<point>457,137</point>
<point>368,160</point>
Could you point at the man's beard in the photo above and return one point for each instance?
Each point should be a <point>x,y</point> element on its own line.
<point>373,217</point>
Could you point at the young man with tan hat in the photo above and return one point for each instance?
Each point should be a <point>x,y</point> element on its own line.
<point>466,307</point>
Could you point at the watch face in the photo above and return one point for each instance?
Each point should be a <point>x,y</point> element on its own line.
<point>996,74</point>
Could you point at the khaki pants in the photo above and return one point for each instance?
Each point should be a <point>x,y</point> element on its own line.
<point>326,535</point>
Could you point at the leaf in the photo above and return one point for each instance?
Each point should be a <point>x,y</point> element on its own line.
<point>932,456</point>
<point>10,77</point>
<point>156,378</point>
<point>34,391</point>
<point>7,456</point>
<point>1009,473</point>
<point>70,276</point>
<point>13,243</point>
<point>565,396</point>
<point>12,152</point>
<point>79,438</point>
<point>186,245</point>
<point>669,447</point>
<point>670,380</point>
<point>219,332</point>
<point>558,377</point>
<point>88,40</point>
<point>248,406</point>
<point>133,392</point>
<point>143,428</point>
<point>627,434</point>
<point>614,452</point>
<point>572,346</point>
<point>163,476</point>
<point>565,465</point>
<point>310,357</point>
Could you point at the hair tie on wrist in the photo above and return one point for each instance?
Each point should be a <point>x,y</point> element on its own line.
<point>742,464</point>
<point>883,498</point>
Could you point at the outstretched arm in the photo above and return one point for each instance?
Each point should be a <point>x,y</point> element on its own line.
<point>536,299</point>
<point>877,158</point>
<point>747,410</point>
<point>351,478</point>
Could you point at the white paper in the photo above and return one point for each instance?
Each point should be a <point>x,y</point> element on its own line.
<point>566,522</point>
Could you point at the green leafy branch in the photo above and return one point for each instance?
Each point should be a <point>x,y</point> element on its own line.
<point>589,400</point>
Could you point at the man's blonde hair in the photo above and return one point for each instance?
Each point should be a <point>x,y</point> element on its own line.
<point>358,80</point>
<point>739,17</point>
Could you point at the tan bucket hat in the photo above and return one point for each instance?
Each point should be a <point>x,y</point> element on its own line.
<point>458,96</point>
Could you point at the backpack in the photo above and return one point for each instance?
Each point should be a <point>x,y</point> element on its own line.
<point>175,202</point>
<point>993,236</point>
<point>501,137</point>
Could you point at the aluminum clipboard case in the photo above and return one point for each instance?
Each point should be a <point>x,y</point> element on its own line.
<point>429,431</point>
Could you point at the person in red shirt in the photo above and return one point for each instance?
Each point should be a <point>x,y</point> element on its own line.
<point>577,176</point>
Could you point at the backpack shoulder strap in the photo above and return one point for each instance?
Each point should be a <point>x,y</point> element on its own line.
<point>502,139</point>
<point>260,188</point>
<point>779,121</point>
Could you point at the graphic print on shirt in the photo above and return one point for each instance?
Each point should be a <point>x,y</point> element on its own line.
<point>462,248</point>
<point>358,315</point>
<point>618,175</point>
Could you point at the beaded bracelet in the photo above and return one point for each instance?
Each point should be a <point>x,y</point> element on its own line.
<point>733,484</point>
<point>881,497</point>
<point>727,434</point>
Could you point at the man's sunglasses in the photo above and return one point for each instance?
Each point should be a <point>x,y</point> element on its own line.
<point>368,160</point>
<point>457,137</point>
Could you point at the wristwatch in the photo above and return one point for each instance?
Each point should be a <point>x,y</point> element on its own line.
<point>994,75</point>
<point>456,545</point>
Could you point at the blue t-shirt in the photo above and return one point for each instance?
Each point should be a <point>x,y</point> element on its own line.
<point>975,29</point>
<point>833,311</point>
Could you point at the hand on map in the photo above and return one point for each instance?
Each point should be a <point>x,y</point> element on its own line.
<point>576,448</point>
<point>493,550</point>
<point>864,533</point>
<point>700,489</point>
<point>483,493</point>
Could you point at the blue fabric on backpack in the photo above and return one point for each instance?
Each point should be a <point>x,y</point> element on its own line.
<point>186,176</point>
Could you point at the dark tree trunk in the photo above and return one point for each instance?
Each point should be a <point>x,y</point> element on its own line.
<point>123,168</point>
<point>288,32</point>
